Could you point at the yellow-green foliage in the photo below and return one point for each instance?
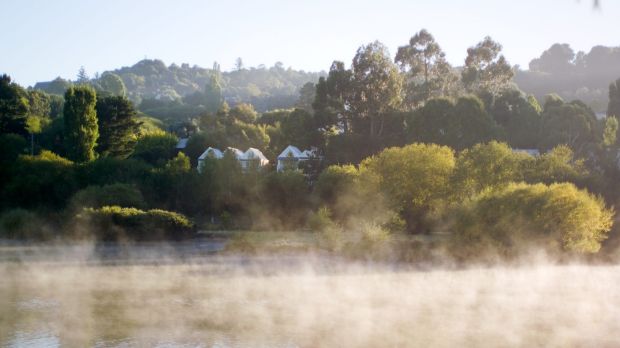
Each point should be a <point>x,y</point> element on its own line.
<point>329,233</point>
<point>508,220</point>
<point>488,165</point>
<point>416,175</point>
<point>114,222</point>
<point>557,165</point>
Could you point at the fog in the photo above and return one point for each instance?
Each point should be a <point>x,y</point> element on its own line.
<point>303,301</point>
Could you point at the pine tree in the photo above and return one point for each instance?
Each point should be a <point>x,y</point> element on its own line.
<point>117,126</point>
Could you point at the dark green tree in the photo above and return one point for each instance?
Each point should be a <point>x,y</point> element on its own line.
<point>573,124</point>
<point>213,93</point>
<point>519,118</point>
<point>81,130</point>
<point>613,108</point>
<point>333,97</point>
<point>13,107</point>
<point>118,127</point>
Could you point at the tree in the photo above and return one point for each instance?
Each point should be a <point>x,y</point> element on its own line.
<point>610,132</point>
<point>213,93</point>
<point>427,73</point>
<point>243,112</point>
<point>513,219</point>
<point>519,116</point>
<point>46,180</point>
<point>338,189</point>
<point>433,123</point>
<point>333,96</point>
<point>415,179</point>
<point>13,106</point>
<point>299,129</point>
<point>489,165</point>
<point>557,165</point>
<point>58,86</point>
<point>112,84</point>
<point>613,108</point>
<point>573,124</point>
<point>486,70</point>
<point>472,124</point>
<point>155,148</point>
<point>459,125</point>
<point>80,117</point>
<point>82,76</point>
<point>118,127</point>
<point>239,64</point>
<point>307,94</point>
<point>558,59</point>
<point>377,88</point>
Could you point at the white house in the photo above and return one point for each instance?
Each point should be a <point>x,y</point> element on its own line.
<point>246,159</point>
<point>210,153</point>
<point>291,157</point>
<point>253,155</point>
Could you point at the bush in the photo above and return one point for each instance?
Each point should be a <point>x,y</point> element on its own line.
<point>20,224</point>
<point>46,180</point>
<point>116,194</point>
<point>113,223</point>
<point>509,221</point>
<point>155,148</point>
<point>330,234</point>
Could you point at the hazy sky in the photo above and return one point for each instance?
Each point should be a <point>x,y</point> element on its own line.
<point>44,39</point>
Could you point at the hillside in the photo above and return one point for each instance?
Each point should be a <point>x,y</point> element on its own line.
<point>266,88</point>
<point>584,76</point>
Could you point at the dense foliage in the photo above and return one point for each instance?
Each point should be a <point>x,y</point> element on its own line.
<point>403,144</point>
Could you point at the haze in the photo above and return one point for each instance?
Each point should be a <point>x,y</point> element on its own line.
<point>56,38</point>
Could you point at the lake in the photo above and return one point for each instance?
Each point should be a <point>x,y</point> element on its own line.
<point>149,297</point>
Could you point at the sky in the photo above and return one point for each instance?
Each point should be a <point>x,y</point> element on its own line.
<point>43,39</point>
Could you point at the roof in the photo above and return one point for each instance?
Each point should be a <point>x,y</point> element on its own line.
<point>182,143</point>
<point>291,151</point>
<point>253,153</point>
<point>216,153</point>
<point>238,153</point>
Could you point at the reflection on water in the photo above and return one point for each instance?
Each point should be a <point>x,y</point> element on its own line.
<point>293,302</point>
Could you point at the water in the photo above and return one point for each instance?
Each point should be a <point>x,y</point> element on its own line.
<point>229,301</point>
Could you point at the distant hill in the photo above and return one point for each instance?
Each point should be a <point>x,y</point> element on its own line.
<point>584,76</point>
<point>559,69</point>
<point>266,88</point>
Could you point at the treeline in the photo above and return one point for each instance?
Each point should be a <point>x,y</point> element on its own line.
<point>409,144</point>
<point>174,91</point>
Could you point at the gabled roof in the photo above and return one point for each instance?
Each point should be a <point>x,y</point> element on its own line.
<point>291,151</point>
<point>182,143</point>
<point>238,153</point>
<point>216,153</point>
<point>253,153</point>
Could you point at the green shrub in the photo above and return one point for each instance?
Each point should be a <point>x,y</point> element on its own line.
<point>21,224</point>
<point>46,180</point>
<point>509,221</point>
<point>112,223</point>
<point>116,194</point>
<point>330,235</point>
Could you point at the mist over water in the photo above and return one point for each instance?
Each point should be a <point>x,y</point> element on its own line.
<point>305,301</point>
